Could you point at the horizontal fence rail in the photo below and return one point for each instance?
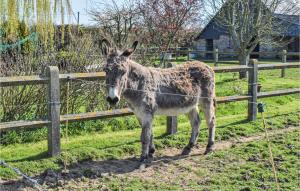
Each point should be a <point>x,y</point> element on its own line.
<point>127,111</point>
<point>52,79</point>
<point>32,80</point>
<point>233,52</point>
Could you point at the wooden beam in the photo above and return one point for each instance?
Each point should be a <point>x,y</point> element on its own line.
<point>232,98</point>
<point>172,121</point>
<point>96,115</point>
<point>53,99</point>
<point>293,53</point>
<point>224,69</point>
<point>83,76</point>
<point>252,90</point>
<point>278,93</point>
<point>278,66</point>
<point>126,111</point>
<point>63,118</point>
<point>13,125</point>
<point>22,80</point>
<point>29,80</point>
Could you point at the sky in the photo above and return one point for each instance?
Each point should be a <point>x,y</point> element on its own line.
<point>81,6</point>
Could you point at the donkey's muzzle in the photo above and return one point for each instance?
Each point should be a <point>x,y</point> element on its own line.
<point>113,101</point>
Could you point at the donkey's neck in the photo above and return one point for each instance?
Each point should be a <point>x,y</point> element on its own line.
<point>134,66</point>
<point>138,76</point>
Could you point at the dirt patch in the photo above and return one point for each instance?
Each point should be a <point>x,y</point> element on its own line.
<point>167,165</point>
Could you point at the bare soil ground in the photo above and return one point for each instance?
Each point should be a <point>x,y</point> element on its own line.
<point>166,167</point>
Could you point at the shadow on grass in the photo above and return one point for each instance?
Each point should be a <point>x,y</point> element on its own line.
<point>44,154</point>
<point>90,170</point>
<point>243,121</point>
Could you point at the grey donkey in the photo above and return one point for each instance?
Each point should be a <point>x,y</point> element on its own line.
<point>155,91</point>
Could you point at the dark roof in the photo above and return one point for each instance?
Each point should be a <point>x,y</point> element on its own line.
<point>294,19</point>
<point>214,29</point>
<point>290,24</point>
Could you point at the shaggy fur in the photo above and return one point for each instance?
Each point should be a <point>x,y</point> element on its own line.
<point>172,91</point>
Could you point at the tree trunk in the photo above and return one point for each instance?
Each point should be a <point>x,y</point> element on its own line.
<point>243,60</point>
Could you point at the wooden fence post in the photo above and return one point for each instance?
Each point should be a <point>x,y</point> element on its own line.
<point>176,53</point>
<point>284,55</point>
<point>252,90</point>
<point>188,54</point>
<point>171,120</point>
<point>216,56</point>
<point>52,73</point>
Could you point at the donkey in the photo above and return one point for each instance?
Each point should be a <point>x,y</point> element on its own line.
<point>155,91</point>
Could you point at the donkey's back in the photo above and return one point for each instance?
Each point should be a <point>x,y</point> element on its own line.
<point>181,88</point>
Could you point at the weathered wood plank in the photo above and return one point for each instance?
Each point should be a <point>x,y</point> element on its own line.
<point>83,76</point>
<point>224,69</point>
<point>53,99</point>
<point>293,53</point>
<point>29,80</point>
<point>278,93</point>
<point>252,90</point>
<point>172,124</point>
<point>172,120</point>
<point>232,98</point>
<point>22,80</point>
<point>96,115</point>
<point>22,124</point>
<point>216,57</point>
<point>63,118</point>
<point>126,111</point>
<point>284,56</point>
<point>278,66</point>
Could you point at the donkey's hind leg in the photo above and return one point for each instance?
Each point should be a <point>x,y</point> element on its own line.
<point>195,123</point>
<point>210,116</point>
<point>151,145</point>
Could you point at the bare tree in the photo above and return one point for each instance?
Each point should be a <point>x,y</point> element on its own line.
<point>117,21</point>
<point>165,20</point>
<point>250,22</point>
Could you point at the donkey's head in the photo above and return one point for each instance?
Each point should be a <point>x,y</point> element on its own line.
<point>116,69</point>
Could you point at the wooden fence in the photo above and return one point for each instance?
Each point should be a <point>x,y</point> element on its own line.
<point>53,80</point>
<point>216,55</point>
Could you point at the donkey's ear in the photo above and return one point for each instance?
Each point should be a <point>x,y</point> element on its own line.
<point>129,51</point>
<point>105,47</point>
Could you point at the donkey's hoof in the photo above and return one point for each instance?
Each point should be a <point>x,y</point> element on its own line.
<point>146,160</point>
<point>151,153</point>
<point>209,149</point>
<point>186,151</point>
<point>151,150</point>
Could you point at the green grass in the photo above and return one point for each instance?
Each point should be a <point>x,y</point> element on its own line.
<point>245,166</point>
<point>31,157</point>
<point>119,138</point>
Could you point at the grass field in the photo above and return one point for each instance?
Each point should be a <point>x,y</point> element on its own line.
<point>229,169</point>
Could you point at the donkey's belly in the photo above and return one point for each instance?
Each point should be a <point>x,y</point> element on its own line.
<point>174,111</point>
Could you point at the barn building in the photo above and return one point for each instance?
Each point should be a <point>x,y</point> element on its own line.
<point>215,35</point>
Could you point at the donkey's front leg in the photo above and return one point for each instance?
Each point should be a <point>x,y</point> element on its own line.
<point>146,122</point>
